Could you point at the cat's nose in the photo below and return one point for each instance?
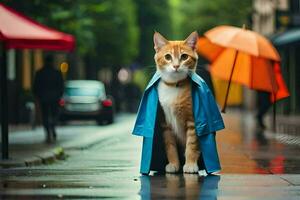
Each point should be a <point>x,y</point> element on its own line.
<point>176,66</point>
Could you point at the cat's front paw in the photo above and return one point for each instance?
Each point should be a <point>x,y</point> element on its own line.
<point>190,168</point>
<point>172,168</point>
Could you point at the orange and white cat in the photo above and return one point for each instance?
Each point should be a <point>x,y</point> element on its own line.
<point>174,60</point>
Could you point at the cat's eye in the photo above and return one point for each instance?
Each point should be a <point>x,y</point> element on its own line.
<point>168,57</point>
<point>184,56</point>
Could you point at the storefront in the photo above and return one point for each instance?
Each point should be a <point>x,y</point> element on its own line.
<point>288,45</point>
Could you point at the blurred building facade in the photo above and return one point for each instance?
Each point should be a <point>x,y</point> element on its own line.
<point>22,65</point>
<point>280,21</point>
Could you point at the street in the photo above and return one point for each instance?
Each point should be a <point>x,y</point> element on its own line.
<point>255,166</point>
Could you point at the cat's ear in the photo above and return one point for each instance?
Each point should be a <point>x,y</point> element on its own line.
<point>159,41</point>
<point>191,41</point>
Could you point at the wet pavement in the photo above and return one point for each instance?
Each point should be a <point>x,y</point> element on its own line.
<point>246,149</point>
<point>256,165</point>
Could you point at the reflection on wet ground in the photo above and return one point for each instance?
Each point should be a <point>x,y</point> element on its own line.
<point>233,187</point>
<point>243,148</point>
<point>178,186</point>
<point>97,184</point>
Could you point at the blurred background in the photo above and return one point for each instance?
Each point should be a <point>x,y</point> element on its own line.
<point>114,44</point>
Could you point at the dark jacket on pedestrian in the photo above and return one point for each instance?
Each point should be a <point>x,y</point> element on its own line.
<point>48,85</point>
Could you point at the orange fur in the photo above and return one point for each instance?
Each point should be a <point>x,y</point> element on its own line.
<point>174,60</point>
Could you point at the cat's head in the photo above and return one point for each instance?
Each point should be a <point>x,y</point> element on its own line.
<point>175,59</point>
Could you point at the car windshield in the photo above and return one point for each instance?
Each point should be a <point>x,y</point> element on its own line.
<point>84,91</point>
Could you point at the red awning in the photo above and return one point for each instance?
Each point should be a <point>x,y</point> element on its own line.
<point>20,32</point>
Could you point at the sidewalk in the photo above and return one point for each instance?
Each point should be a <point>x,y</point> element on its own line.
<point>242,148</point>
<point>27,147</point>
<point>288,124</point>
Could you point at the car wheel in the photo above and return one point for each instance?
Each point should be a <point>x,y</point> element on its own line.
<point>100,122</point>
<point>110,120</point>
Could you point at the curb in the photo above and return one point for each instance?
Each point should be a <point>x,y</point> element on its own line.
<point>12,163</point>
<point>58,153</point>
<point>49,157</point>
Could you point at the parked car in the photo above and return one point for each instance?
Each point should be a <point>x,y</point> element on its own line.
<point>86,99</point>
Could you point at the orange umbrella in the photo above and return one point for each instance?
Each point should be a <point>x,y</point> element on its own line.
<point>245,57</point>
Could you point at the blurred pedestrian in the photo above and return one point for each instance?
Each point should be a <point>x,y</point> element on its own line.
<point>48,88</point>
<point>263,104</point>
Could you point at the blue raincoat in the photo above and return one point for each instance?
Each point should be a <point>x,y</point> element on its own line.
<point>207,119</point>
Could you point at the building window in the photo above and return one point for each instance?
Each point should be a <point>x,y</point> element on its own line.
<point>295,6</point>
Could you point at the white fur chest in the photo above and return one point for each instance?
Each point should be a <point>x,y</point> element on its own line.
<point>167,95</point>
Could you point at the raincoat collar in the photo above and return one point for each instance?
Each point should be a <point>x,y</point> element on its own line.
<point>194,77</point>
